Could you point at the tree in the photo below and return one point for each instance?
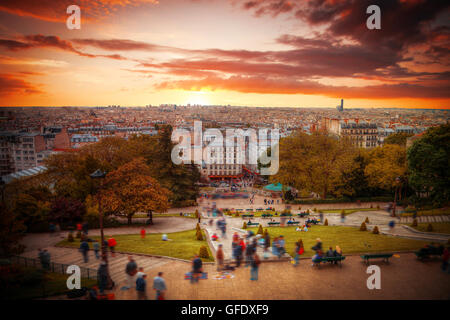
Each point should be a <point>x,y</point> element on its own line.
<point>12,230</point>
<point>318,161</point>
<point>398,138</point>
<point>67,210</point>
<point>31,212</point>
<point>429,163</point>
<point>131,189</point>
<point>384,165</point>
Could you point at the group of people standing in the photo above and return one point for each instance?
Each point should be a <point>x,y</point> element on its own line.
<point>137,277</point>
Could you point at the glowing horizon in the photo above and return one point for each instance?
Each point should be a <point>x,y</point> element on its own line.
<point>242,53</point>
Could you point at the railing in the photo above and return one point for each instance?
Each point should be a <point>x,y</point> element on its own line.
<point>87,273</point>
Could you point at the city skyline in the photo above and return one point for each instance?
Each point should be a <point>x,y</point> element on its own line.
<point>242,53</point>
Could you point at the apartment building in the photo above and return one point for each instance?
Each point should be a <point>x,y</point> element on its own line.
<point>361,133</point>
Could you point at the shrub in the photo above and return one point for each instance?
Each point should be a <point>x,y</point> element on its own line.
<point>342,211</point>
<point>429,227</point>
<point>363,227</point>
<point>378,206</point>
<point>198,227</point>
<point>199,235</point>
<point>267,232</point>
<point>367,220</point>
<point>299,208</point>
<point>371,206</point>
<point>78,235</point>
<point>203,252</point>
<point>260,230</point>
<point>375,230</point>
<point>326,222</point>
<point>196,213</point>
<point>307,211</point>
<point>244,226</point>
<point>414,223</point>
<point>315,209</point>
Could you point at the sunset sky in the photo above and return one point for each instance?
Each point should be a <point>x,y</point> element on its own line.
<point>258,53</point>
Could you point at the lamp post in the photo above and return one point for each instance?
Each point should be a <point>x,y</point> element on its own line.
<point>100,175</point>
<point>2,186</point>
<point>397,181</point>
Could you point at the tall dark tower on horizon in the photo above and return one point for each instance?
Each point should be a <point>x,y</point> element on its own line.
<point>341,107</point>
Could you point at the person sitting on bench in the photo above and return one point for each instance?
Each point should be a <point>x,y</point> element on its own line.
<point>317,257</point>
<point>330,252</point>
<point>318,246</point>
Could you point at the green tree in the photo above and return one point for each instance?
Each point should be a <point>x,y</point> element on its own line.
<point>12,231</point>
<point>398,138</point>
<point>384,165</point>
<point>318,161</point>
<point>429,163</point>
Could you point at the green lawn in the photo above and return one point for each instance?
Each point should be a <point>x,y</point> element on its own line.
<point>348,211</point>
<point>439,227</point>
<point>350,239</point>
<point>53,284</point>
<point>183,245</point>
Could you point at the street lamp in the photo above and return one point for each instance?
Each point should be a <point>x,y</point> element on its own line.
<point>2,185</point>
<point>100,175</point>
<point>397,182</point>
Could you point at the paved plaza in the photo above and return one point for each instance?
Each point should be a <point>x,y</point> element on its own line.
<point>404,278</point>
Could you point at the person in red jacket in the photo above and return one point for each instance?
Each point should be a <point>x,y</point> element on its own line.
<point>142,233</point>
<point>112,243</point>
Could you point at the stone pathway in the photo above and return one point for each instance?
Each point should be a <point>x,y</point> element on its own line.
<point>233,225</point>
<point>426,219</point>
<point>403,278</point>
<point>116,264</point>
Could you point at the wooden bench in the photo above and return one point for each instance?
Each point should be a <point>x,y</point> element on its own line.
<point>428,252</point>
<point>302,215</point>
<point>273,224</point>
<point>293,222</point>
<point>247,215</point>
<point>266,215</point>
<point>252,224</point>
<point>384,256</point>
<point>330,260</point>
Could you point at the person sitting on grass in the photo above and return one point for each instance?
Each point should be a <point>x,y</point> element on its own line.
<point>214,237</point>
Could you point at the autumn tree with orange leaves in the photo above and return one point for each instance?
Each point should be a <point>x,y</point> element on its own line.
<point>130,189</point>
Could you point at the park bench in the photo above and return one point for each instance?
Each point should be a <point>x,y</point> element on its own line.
<point>286,215</point>
<point>260,209</point>
<point>301,215</point>
<point>293,222</point>
<point>266,215</point>
<point>384,256</point>
<point>425,253</point>
<point>330,260</point>
<point>247,216</point>
<point>273,224</point>
<point>252,224</point>
<point>251,210</point>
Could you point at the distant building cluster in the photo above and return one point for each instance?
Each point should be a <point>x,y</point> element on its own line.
<point>29,135</point>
